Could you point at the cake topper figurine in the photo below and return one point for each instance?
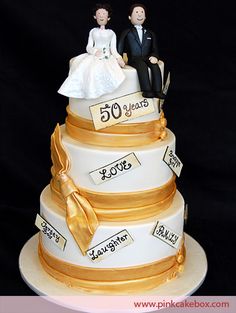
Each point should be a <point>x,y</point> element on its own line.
<point>142,52</point>
<point>98,71</point>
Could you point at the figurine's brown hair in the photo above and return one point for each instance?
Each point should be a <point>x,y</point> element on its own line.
<point>104,6</point>
<point>135,5</point>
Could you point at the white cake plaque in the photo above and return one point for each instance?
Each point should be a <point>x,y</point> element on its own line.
<point>121,109</point>
<point>167,84</point>
<point>110,246</point>
<point>185,213</point>
<point>165,89</point>
<point>115,169</point>
<point>49,231</point>
<point>171,159</point>
<point>165,234</point>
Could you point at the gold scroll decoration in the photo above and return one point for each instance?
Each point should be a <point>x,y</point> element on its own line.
<point>80,216</point>
<point>113,280</point>
<point>120,135</point>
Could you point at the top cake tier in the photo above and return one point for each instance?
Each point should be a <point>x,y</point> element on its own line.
<point>88,119</point>
<point>130,85</point>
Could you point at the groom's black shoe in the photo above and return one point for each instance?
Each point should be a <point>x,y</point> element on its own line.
<point>160,95</point>
<point>148,94</point>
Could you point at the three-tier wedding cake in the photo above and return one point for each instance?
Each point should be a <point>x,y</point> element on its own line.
<point>112,218</point>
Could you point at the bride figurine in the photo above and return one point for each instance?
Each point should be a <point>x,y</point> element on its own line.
<point>98,71</point>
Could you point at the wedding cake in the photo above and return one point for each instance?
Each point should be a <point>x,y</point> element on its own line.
<point>111,218</point>
<point>112,199</point>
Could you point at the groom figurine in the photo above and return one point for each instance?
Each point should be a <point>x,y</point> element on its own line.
<point>141,48</point>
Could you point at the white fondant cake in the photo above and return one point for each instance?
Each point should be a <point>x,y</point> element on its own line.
<point>112,198</point>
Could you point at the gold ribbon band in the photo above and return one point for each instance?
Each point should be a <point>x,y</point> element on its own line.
<point>125,206</point>
<point>120,135</point>
<point>113,280</point>
<point>80,216</point>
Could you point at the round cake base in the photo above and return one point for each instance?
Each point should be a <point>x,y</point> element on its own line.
<point>195,269</point>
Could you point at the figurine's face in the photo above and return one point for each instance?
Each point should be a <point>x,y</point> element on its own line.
<point>102,17</point>
<point>138,16</point>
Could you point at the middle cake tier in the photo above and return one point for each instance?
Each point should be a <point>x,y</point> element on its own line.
<point>153,172</point>
<point>118,182</point>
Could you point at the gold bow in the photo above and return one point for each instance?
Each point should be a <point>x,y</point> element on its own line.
<point>80,216</point>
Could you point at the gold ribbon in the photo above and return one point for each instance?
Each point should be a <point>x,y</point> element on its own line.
<point>80,216</point>
<point>127,206</point>
<point>113,280</point>
<point>120,135</point>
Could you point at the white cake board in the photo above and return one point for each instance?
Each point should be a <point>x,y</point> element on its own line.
<point>195,269</point>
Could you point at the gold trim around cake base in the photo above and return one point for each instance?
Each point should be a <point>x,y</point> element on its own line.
<point>126,206</point>
<point>120,135</point>
<point>113,280</point>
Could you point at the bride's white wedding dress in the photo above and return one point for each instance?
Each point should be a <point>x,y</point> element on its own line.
<point>91,76</point>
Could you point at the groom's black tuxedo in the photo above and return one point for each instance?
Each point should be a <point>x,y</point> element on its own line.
<point>138,56</point>
<point>130,43</point>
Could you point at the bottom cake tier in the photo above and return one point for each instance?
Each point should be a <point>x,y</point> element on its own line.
<point>123,257</point>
